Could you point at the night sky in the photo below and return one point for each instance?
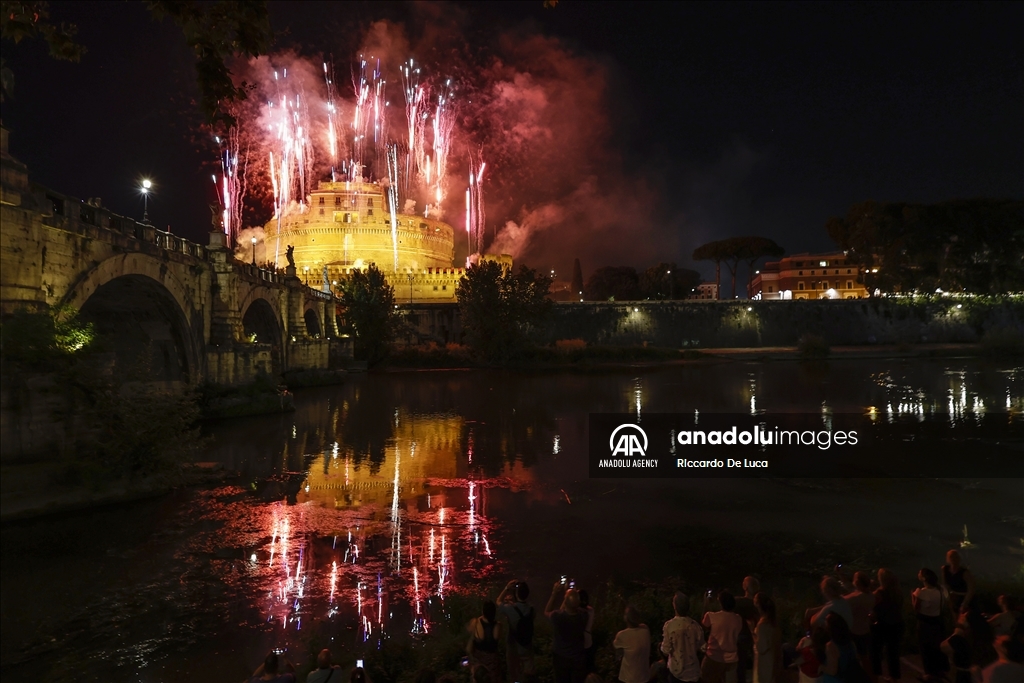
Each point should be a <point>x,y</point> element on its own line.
<point>735,118</point>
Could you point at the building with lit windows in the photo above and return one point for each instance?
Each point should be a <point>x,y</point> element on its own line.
<point>705,291</point>
<point>809,276</point>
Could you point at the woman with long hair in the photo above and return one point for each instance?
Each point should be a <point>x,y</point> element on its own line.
<point>841,663</point>
<point>483,643</point>
<point>927,601</point>
<point>767,641</point>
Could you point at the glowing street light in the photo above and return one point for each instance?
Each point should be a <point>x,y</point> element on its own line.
<point>147,185</point>
<point>254,251</point>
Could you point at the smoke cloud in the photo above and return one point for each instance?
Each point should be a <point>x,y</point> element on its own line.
<point>531,108</point>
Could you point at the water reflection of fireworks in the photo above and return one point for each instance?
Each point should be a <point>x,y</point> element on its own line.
<point>381,572</point>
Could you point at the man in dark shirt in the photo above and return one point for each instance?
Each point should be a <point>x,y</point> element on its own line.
<point>324,672</point>
<point>569,622</point>
<point>746,609</point>
<point>513,605</point>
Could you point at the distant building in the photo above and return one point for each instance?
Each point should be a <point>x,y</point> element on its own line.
<point>706,291</point>
<point>808,276</point>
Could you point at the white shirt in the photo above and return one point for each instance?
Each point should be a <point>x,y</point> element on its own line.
<point>724,630</point>
<point>929,601</point>
<point>636,659</point>
<point>840,607</point>
<point>682,638</point>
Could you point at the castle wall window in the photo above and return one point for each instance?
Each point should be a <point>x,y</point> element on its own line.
<point>337,201</point>
<point>348,218</point>
<point>369,202</point>
<point>369,212</point>
<point>849,284</point>
<point>321,210</point>
<point>321,202</point>
<point>800,273</point>
<point>800,286</point>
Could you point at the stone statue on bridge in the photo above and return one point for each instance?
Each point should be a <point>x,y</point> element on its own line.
<point>290,255</point>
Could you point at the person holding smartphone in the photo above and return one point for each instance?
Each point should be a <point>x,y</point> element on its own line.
<point>570,625</point>
<point>269,670</point>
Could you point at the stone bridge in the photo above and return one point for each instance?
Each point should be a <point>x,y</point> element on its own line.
<point>191,312</point>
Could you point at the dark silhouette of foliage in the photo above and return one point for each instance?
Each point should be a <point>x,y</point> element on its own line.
<point>577,279</point>
<point>498,306</point>
<point>668,281</point>
<point>44,341</point>
<point>216,31</point>
<point>974,245</point>
<point>28,20</point>
<point>613,283</point>
<point>369,311</point>
<point>732,251</point>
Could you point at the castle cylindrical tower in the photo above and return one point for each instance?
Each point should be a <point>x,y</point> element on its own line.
<point>348,225</point>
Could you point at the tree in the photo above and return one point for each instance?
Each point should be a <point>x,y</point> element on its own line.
<point>498,306</point>
<point>21,20</point>
<point>369,310</point>
<point>577,279</point>
<point>974,245</point>
<point>717,252</point>
<point>612,283</point>
<point>732,250</point>
<point>667,281</point>
<point>753,250</point>
<point>216,31</point>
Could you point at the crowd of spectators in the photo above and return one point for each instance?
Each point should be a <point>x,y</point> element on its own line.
<point>855,635</point>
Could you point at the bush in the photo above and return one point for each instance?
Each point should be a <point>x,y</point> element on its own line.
<point>812,347</point>
<point>42,341</point>
<point>1003,341</point>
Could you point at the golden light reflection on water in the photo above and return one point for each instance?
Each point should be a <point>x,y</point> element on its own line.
<point>381,543</point>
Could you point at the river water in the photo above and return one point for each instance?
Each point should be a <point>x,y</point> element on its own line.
<point>356,517</point>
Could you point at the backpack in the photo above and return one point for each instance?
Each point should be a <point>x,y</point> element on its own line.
<point>523,632</point>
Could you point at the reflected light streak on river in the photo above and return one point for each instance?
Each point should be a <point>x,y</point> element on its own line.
<point>436,542</point>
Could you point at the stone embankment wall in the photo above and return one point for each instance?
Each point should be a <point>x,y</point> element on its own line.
<point>726,324</point>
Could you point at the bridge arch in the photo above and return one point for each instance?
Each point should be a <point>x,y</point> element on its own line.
<point>261,325</point>
<point>144,315</point>
<point>312,320</point>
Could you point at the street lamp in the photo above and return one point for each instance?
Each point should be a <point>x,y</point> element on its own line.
<point>671,285</point>
<point>147,185</point>
<point>254,251</point>
<point>306,269</point>
<point>410,288</point>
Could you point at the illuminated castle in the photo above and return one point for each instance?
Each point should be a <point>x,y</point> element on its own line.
<point>347,225</point>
